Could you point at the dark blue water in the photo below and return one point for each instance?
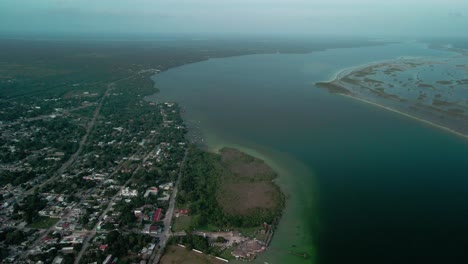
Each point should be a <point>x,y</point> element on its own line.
<point>365,185</point>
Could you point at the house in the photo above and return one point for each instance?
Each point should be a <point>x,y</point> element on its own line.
<point>103,247</point>
<point>157,215</point>
<point>152,191</point>
<point>137,213</point>
<point>151,246</point>
<point>67,250</point>
<point>166,196</point>
<point>183,211</point>
<point>166,186</point>
<point>58,260</point>
<point>146,229</point>
<point>126,192</point>
<point>153,229</point>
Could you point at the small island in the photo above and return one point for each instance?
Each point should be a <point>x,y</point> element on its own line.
<point>227,207</point>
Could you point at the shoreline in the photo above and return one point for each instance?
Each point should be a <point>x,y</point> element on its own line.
<point>338,82</point>
<point>349,70</point>
<point>212,143</point>
<point>274,160</point>
<point>427,122</point>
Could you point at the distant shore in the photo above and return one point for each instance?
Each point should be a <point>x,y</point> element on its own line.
<point>338,88</point>
<point>408,115</point>
<point>339,85</point>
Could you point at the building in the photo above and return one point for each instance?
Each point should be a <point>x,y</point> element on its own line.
<point>103,247</point>
<point>67,250</point>
<point>166,186</point>
<point>126,192</point>
<point>153,229</point>
<point>165,197</point>
<point>157,215</point>
<point>152,191</point>
<point>58,260</point>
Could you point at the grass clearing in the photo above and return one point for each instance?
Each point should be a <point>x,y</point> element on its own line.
<point>181,223</point>
<point>247,185</point>
<point>242,198</point>
<point>179,255</point>
<point>226,254</point>
<point>43,223</point>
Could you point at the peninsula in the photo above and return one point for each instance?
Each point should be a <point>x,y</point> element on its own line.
<point>228,206</point>
<point>430,90</point>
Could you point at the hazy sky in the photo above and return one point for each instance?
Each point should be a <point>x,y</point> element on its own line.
<point>335,17</point>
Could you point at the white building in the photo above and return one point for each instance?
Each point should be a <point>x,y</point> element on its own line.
<point>126,192</point>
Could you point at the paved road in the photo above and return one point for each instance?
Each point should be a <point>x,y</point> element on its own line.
<point>62,113</point>
<point>157,254</point>
<point>70,161</point>
<point>109,206</point>
<point>89,128</point>
<point>83,140</point>
<point>53,228</point>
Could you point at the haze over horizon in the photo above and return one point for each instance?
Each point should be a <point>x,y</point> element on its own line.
<point>375,18</point>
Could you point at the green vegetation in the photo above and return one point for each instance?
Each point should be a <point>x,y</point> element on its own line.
<point>181,223</point>
<point>333,88</point>
<point>12,236</point>
<point>198,187</point>
<point>208,177</point>
<point>226,254</point>
<point>29,208</point>
<point>43,222</point>
<point>179,255</point>
<point>195,242</point>
<point>60,97</point>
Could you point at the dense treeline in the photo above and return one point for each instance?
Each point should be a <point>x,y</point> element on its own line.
<point>15,177</point>
<point>198,187</point>
<point>195,242</point>
<point>29,208</point>
<point>12,236</point>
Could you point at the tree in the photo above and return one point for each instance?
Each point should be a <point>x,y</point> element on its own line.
<point>14,238</point>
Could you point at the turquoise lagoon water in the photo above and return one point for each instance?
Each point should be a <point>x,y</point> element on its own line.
<point>364,185</point>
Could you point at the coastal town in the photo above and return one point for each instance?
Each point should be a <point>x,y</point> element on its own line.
<point>92,176</point>
<point>214,132</point>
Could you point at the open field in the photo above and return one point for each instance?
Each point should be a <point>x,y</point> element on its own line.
<point>246,185</point>
<point>244,198</point>
<point>43,223</point>
<point>245,167</point>
<point>181,223</point>
<point>179,255</point>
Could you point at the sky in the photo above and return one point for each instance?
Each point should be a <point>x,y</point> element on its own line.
<point>304,17</point>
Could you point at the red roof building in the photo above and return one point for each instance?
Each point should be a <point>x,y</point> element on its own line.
<point>153,229</point>
<point>184,211</point>
<point>102,247</point>
<point>157,215</point>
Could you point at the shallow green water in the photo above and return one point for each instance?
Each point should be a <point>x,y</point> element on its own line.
<point>364,185</point>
